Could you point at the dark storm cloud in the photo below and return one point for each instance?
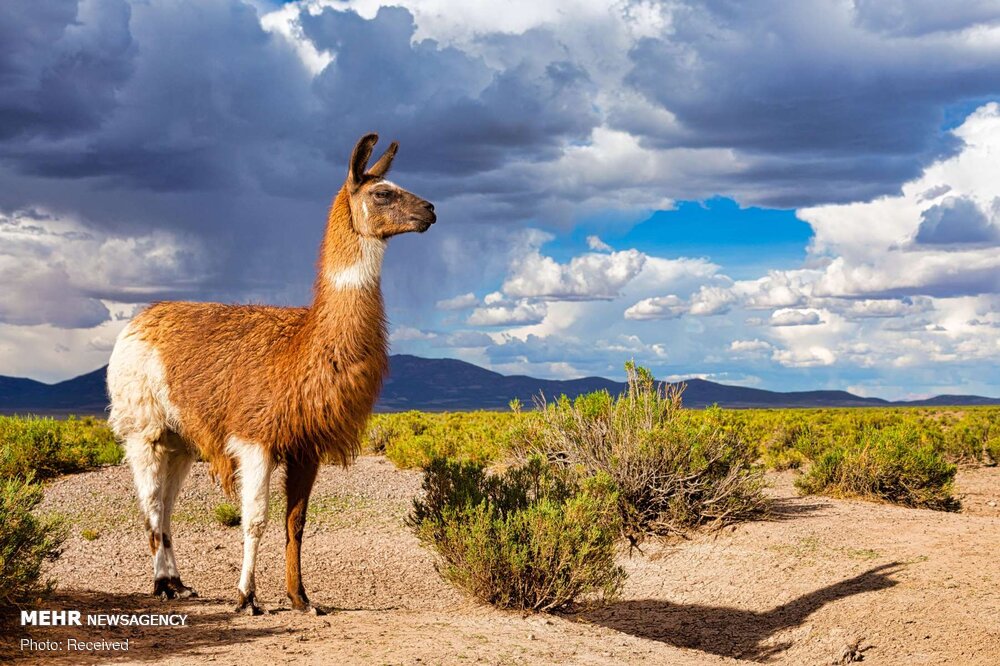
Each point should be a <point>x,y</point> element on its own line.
<point>808,82</point>
<point>58,75</point>
<point>454,114</point>
<point>172,97</point>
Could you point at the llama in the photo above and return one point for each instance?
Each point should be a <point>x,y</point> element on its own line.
<point>252,387</point>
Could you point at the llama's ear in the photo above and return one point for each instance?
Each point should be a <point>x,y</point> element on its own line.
<point>380,168</point>
<point>359,159</point>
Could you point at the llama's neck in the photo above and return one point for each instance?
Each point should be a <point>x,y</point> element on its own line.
<point>348,316</point>
<point>349,263</point>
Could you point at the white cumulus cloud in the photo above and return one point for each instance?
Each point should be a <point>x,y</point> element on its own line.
<point>586,277</point>
<point>460,302</point>
<point>792,317</point>
<point>657,307</point>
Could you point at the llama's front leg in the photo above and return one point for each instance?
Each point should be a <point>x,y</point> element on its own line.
<point>299,479</point>
<point>255,467</point>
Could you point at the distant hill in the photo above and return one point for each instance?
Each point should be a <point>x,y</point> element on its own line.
<point>85,394</point>
<point>451,385</point>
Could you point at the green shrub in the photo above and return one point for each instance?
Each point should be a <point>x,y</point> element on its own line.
<point>26,543</point>
<point>889,464</point>
<point>227,514</point>
<point>45,447</point>
<point>90,535</point>
<point>528,539</point>
<point>413,439</point>
<point>672,470</point>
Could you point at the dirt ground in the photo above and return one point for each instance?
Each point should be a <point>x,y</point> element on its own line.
<point>904,586</point>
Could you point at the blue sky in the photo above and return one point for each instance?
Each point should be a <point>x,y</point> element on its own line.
<point>783,195</point>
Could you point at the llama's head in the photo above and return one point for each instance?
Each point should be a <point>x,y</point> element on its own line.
<point>380,208</point>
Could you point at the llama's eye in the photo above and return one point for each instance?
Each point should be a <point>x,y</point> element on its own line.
<point>381,196</point>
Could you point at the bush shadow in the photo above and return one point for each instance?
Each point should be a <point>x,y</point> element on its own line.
<point>729,632</point>
<point>789,508</point>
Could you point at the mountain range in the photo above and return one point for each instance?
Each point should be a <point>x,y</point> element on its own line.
<point>450,385</point>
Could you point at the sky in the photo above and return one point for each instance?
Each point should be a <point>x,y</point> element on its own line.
<point>781,195</point>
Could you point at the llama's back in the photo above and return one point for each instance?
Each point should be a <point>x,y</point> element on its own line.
<point>201,370</point>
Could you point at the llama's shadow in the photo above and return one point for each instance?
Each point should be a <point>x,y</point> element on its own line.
<point>206,628</point>
<point>729,632</point>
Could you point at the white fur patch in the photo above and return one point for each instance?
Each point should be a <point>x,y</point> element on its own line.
<point>137,385</point>
<point>255,468</point>
<point>141,413</point>
<point>363,273</point>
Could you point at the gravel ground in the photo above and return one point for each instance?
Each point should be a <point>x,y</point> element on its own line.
<point>824,579</point>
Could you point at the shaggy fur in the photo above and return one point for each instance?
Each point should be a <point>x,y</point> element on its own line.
<point>299,383</point>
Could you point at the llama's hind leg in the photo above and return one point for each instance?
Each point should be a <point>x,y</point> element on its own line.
<point>178,464</point>
<point>148,458</point>
<point>255,467</point>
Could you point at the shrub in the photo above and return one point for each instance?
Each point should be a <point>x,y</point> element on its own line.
<point>90,535</point>
<point>26,542</point>
<point>227,514</point>
<point>672,470</point>
<point>45,447</point>
<point>889,464</point>
<point>413,439</point>
<point>527,539</point>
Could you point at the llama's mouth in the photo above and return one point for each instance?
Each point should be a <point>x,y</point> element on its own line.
<point>422,224</point>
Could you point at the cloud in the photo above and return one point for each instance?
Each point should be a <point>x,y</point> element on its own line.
<point>923,17</point>
<point>712,300</point>
<point>460,302</point>
<point>777,86</point>
<point>871,241</point>
<point>519,313</point>
<point>881,308</point>
<point>658,307</point>
<point>750,348</point>
<point>62,66</point>
<point>58,272</point>
<point>791,317</point>
<point>587,277</point>
<point>597,245</point>
<point>804,358</point>
<point>957,220</point>
<point>468,339</point>
<point>408,333</point>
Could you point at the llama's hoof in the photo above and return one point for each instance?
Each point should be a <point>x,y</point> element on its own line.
<point>309,609</point>
<point>172,588</point>
<point>301,603</point>
<point>163,590</point>
<point>247,604</point>
<point>180,589</point>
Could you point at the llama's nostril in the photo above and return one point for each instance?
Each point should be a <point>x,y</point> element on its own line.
<point>429,205</point>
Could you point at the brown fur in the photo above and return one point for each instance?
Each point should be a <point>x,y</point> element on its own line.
<point>301,381</point>
<point>298,485</point>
